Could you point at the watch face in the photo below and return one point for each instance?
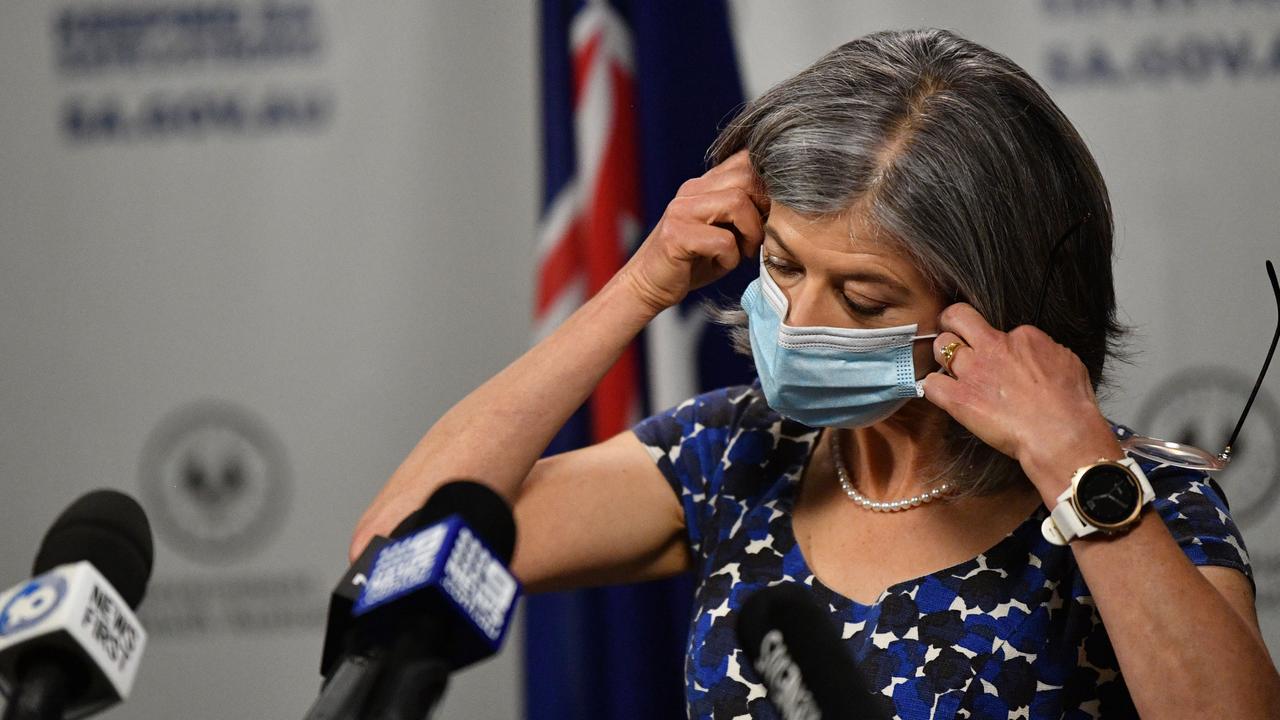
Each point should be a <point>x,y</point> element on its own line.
<point>1107,495</point>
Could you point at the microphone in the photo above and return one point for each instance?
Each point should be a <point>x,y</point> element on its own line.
<point>794,647</point>
<point>440,598</point>
<point>356,649</point>
<point>339,638</point>
<point>70,643</point>
<point>348,664</point>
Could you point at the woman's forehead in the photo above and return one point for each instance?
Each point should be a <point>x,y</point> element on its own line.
<point>844,242</point>
<point>849,231</point>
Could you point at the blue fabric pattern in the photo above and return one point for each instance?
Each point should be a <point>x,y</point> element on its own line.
<point>1010,633</point>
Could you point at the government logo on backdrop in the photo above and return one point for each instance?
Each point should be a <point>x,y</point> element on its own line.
<point>1200,406</point>
<point>215,481</point>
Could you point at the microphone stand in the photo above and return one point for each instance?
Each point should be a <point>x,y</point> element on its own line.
<point>347,689</point>
<point>412,692</point>
<point>416,677</point>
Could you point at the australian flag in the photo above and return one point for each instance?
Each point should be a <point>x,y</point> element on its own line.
<point>633,93</point>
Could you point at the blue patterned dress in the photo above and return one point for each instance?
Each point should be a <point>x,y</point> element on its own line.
<point>1012,633</point>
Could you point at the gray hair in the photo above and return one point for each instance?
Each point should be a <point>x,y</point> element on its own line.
<point>963,159</point>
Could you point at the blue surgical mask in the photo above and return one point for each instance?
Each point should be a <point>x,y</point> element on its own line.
<point>828,376</point>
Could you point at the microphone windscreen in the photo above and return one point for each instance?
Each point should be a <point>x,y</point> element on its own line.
<point>482,509</point>
<point>110,530</point>
<point>783,626</point>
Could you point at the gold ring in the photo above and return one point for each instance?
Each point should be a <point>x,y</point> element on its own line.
<point>948,354</point>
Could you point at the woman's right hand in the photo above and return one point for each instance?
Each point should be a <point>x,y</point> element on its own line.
<point>712,223</point>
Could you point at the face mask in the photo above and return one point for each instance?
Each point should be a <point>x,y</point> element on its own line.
<point>828,376</point>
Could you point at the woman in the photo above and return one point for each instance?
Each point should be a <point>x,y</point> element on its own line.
<point>904,194</point>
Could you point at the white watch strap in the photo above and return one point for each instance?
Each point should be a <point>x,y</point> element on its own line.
<point>1067,521</point>
<point>1148,494</point>
<point>1064,524</point>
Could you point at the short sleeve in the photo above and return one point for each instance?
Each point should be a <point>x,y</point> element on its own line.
<point>1198,517</point>
<point>688,442</point>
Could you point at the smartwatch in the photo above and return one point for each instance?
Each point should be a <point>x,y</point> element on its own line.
<point>1107,496</point>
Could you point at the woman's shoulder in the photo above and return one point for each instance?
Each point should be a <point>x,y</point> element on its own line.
<point>720,413</point>
<point>724,441</point>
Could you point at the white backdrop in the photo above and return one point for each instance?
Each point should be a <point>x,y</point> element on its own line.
<point>247,259</point>
<point>340,264</point>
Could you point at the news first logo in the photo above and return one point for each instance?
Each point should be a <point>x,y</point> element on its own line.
<point>74,609</point>
<point>215,481</point>
<point>101,616</point>
<point>111,629</point>
<point>32,604</point>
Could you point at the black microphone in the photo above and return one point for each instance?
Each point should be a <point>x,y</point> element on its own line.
<point>440,599</point>
<point>349,663</point>
<point>356,650</point>
<point>794,647</point>
<point>339,639</point>
<point>70,643</point>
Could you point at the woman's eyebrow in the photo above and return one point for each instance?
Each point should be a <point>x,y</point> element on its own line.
<point>867,276</point>
<point>768,230</point>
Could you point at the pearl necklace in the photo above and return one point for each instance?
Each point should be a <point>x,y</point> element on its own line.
<point>837,459</point>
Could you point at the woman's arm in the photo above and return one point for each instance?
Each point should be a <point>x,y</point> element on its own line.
<point>497,433</point>
<point>1187,639</point>
<point>598,516</point>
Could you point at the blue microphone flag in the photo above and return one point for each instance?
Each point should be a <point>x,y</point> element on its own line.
<point>447,560</point>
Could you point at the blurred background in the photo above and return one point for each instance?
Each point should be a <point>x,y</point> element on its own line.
<point>251,249</point>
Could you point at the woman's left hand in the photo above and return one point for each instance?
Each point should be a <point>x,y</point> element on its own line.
<point>1021,393</point>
